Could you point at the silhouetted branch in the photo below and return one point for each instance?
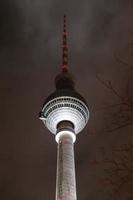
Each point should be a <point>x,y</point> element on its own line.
<point>120,113</point>
<point>118,168</point>
<point>119,60</point>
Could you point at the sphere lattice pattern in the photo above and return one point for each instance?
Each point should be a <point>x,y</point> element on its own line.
<point>65,108</point>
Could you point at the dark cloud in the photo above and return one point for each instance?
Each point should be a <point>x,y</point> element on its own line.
<point>10,23</point>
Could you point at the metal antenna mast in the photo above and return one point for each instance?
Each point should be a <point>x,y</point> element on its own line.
<point>64,47</point>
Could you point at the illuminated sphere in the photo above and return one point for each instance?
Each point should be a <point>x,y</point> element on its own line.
<point>65,104</point>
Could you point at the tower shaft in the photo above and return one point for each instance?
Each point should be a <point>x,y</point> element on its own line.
<point>65,179</point>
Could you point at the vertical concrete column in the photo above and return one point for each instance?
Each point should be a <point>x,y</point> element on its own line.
<point>65,180</point>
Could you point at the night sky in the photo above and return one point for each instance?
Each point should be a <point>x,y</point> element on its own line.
<point>30,58</point>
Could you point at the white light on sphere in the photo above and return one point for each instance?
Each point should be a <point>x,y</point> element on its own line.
<point>65,109</point>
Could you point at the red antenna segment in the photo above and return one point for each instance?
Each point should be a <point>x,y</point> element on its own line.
<point>65,48</point>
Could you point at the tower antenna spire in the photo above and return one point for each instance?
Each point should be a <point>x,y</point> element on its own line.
<point>64,47</point>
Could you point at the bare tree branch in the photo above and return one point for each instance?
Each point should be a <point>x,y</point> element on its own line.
<point>120,113</point>
<point>118,168</point>
<point>119,60</point>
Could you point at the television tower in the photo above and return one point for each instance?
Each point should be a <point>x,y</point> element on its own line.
<point>65,113</point>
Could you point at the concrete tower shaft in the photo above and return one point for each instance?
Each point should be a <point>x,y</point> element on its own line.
<point>65,180</point>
